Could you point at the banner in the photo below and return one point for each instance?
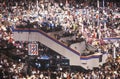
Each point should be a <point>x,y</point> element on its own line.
<point>32,49</point>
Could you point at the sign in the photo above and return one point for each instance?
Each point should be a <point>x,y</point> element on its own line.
<point>32,49</point>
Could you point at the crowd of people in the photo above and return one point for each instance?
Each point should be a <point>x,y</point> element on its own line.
<point>12,69</point>
<point>91,23</point>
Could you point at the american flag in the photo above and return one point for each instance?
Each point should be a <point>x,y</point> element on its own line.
<point>33,49</point>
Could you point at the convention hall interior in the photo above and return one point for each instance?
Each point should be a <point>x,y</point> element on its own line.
<point>59,39</point>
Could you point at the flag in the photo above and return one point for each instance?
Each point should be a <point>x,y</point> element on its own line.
<point>33,49</point>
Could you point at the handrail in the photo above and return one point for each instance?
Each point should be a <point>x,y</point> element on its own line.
<point>42,32</point>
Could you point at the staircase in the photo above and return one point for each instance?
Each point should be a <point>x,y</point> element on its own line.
<point>68,52</point>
